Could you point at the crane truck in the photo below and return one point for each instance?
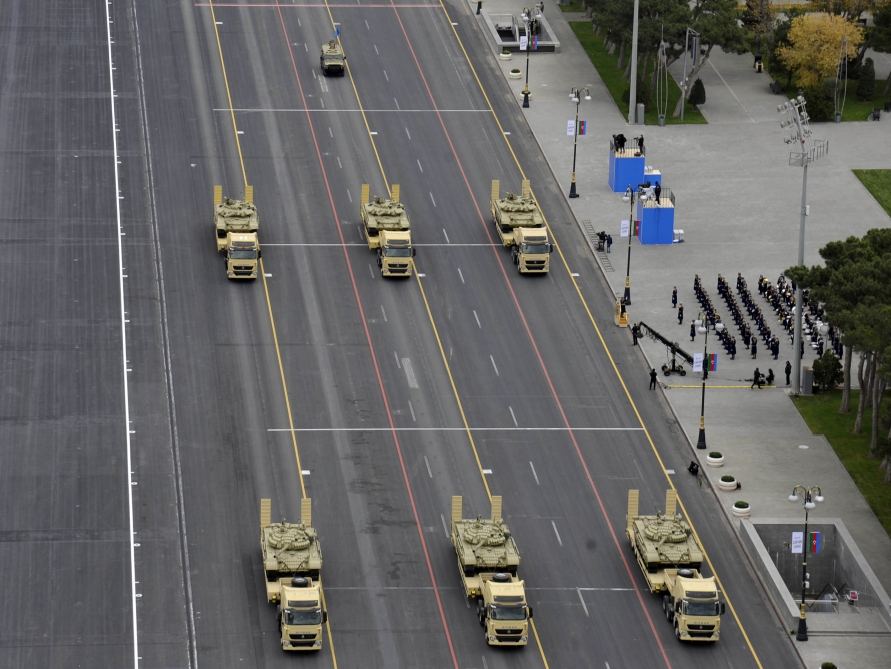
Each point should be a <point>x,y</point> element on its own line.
<point>387,230</point>
<point>292,564</point>
<point>521,228</point>
<point>236,223</point>
<point>670,558</point>
<point>488,559</point>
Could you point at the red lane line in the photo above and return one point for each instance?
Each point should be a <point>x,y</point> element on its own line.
<point>314,5</point>
<point>500,259</point>
<point>374,361</point>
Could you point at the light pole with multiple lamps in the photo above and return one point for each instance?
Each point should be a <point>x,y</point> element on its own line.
<point>629,198</point>
<point>811,150</point>
<point>809,496</point>
<point>575,94</point>
<point>702,327</point>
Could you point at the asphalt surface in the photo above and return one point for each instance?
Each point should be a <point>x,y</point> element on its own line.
<point>380,378</point>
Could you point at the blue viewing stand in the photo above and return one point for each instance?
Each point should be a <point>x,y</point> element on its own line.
<point>656,220</point>
<point>625,169</point>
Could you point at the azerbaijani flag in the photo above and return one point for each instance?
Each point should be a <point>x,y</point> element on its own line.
<point>583,127</point>
<point>815,541</point>
<point>713,362</point>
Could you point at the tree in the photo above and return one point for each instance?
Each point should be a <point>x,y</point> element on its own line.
<point>717,22</point>
<point>853,287</point>
<point>697,95</point>
<point>866,87</point>
<point>815,42</point>
<point>880,37</point>
<point>827,371</point>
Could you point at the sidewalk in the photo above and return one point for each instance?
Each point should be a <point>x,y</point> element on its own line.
<point>738,204</point>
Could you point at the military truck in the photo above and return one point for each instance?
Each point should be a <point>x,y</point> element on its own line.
<point>292,564</point>
<point>670,559</point>
<point>236,223</point>
<point>387,230</point>
<point>332,59</point>
<point>488,560</point>
<point>521,228</point>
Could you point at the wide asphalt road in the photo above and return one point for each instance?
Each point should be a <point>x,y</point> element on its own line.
<point>378,399</point>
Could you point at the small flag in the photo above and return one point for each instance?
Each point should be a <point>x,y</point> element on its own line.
<point>534,42</point>
<point>713,362</point>
<point>815,541</point>
<point>336,30</point>
<point>583,127</point>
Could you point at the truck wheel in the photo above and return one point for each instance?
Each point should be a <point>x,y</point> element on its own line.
<point>677,632</point>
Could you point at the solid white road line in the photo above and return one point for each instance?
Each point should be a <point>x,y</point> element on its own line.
<point>534,473</point>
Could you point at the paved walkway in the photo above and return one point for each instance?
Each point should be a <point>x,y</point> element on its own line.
<point>738,204</point>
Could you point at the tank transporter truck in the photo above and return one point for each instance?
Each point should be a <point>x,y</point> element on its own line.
<point>387,230</point>
<point>488,560</point>
<point>236,223</point>
<point>292,565</point>
<point>670,559</point>
<point>521,228</point>
<point>332,59</point>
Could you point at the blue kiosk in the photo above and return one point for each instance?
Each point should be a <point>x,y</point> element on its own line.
<point>626,168</point>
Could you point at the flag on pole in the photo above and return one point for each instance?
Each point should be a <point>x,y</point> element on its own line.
<point>583,127</point>
<point>534,42</point>
<point>336,30</point>
<point>815,541</point>
<point>713,362</point>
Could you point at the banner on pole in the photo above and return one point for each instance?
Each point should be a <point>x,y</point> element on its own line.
<point>697,362</point>
<point>524,42</point>
<point>797,543</point>
<point>570,128</point>
<point>624,228</point>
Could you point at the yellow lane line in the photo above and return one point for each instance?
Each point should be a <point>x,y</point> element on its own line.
<point>278,355</point>
<point>612,361</point>
<point>467,429</point>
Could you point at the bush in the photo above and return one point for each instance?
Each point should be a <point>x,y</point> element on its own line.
<point>866,87</point>
<point>827,371</point>
<point>697,93</point>
<point>820,105</point>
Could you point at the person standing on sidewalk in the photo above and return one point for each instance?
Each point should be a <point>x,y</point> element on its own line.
<point>788,370</point>
<point>680,314</point>
<point>674,297</point>
<point>754,348</point>
<point>609,243</point>
<point>653,377</point>
<point>692,331</point>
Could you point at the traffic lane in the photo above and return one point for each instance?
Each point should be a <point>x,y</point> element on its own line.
<point>435,482</point>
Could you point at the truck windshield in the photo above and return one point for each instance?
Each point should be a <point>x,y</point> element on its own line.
<point>534,248</point>
<point>701,608</point>
<point>391,252</point>
<point>508,613</point>
<point>303,617</point>
<point>243,254</point>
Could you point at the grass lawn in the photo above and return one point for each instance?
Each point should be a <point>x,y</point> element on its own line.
<point>612,76</point>
<point>821,414</point>
<point>572,6</point>
<point>878,183</point>
<point>855,109</point>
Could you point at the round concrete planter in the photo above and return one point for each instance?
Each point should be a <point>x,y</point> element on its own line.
<point>505,55</point>
<point>727,482</point>
<point>515,73</point>
<point>715,459</point>
<point>741,509</point>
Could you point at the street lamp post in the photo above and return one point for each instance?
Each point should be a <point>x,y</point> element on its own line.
<point>575,94</point>
<point>809,497</point>
<point>702,327</point>
<point>629,198</point>
<point>530,22</point>
<point>811,150</point>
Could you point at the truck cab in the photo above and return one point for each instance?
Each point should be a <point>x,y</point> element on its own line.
<point>395,253</point>
<point>532,250</point>
<point>691,604</point>
<point>242,255</point>
<point>301,615</point>
<point>503,610</point>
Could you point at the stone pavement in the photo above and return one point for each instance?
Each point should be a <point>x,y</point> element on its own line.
<point>738,204</point>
